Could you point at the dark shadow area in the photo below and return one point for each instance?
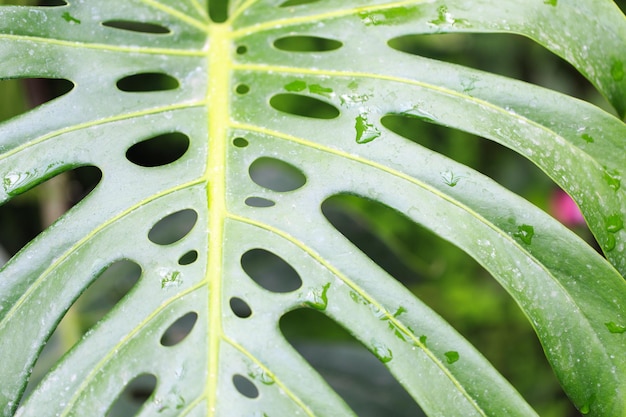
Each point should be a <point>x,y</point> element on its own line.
<point>133,26</point>
<point>305,106</point>
<point>356,374</point>
<point>158,150</point>
<point>98,299</point>
<point>37,205</point>
<point>306,44</point>
<point>135,394</point>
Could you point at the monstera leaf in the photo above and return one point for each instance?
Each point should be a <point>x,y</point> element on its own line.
<point>301,87</point>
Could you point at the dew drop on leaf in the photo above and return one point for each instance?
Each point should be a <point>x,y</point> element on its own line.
<point>525,233</point>
<point>615,328</point>
<point>614,223</point>
<point>612,177</point>
<point>295,86</point>
<point>452,356</point>
<point>316,297</point>
<point>587,138</point>
<point>382,352</point>
<point>617,71</point>
<point>365,131</point>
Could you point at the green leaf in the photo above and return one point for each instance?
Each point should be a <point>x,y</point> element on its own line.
<point>229,83</point>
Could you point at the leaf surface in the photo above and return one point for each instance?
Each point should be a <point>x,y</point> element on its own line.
<point>228,78</point>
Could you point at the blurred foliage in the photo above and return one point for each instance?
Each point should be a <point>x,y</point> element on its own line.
<point>440,274</point>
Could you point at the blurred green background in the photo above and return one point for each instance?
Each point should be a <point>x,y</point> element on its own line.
<point>437,272</point>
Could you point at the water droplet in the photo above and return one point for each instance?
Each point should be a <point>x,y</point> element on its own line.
<point>256,372</point>
<point>452,356</point>
<point>170,278</point>
<point>365,131</point>
<point>525,233</point>
<point>317,298</point>
<point>423,339</point>
<point>418,112</point>
<point>322,91</point>
<point>587,138</point>
<point>617,70</point>
<point>389,16</point>
<point>449,178</point>
<point>550,2</point>
<point>614,223</point>
<point>382,352</point>
<point>615,328</point>
<point>445,18</point>
<point>399,311</point>
<point>610,243</point>
<point>357,298</point>
<point>352,99</point>
<point>613,179</point>
<point>296,86</point>
<point>69,18</point>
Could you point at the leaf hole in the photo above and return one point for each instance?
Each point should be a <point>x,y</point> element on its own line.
<point>43,3</point>
<point>355,372</point>
<point>242,50</point>
<point>270,271</point>
<point>218,10</point>
<point>276,175</point>
<point>240,142</point>
<point>289,3</point>
<point>159,150</point>
<point>39,197</point>
<point>304,43</point>
<point>179,330</point>
<point>173,227</point>
<point>245,387</point>
<point>242,89</point>
<point>146,82</point>
<point>135,394</point>
<point>511,55</point>
<point>22,94</point>
<point>107,290</point>
<point>188,258</point>
<point>305,106</point>
<point>259,202</point>
<point>240,308</point>
<point>134,26</point>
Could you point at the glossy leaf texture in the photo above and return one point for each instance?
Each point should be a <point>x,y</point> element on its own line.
<point>219,87</point>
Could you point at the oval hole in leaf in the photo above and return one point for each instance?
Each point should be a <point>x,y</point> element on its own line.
<point>356,374</point>
<point>133,26</point>
<point>511,55</point>
<point>245,386</point>
<point>109,287</point>
<point>188,258</point>
<point>240,308</point>
<point>38,199</point>
<point>270,271</point>
<point>276,175</point>
<point>136,393</point>
<point>159,150</point>
<point>304,43</point>
<point>218,10</point>
<point>173,227</point>
<point>297,2</point>
<point>259,202</point>
<point>147,81</point>
<point>179,330</point>
<point>305,106</point>
<point>22,94</point>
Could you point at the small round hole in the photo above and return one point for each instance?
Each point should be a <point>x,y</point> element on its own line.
<point>188,258</point>
<point>242,89</point>
<point>240,142</point>
<point>241,50</point>
<point>240,308</point>
<point>245,386</point>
